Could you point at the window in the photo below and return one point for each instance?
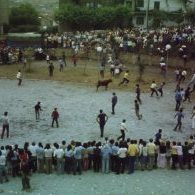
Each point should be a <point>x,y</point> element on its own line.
<point>140,20</point>
<point>140,3</point>
<point>156,5</point>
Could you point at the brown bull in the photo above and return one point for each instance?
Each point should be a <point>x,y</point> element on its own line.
<point>103,83</point>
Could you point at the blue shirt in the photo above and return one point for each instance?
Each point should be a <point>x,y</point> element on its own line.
<point>106,151</point>
<point>78,152</point>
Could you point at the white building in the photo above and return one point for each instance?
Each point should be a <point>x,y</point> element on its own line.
<point>140,8</point>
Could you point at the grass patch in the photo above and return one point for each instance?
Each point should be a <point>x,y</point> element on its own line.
<point>88,77</point>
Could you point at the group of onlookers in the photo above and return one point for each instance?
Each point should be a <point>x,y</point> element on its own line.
<point>109,155</point>
<point>129,40</point>
<point>10,55</point>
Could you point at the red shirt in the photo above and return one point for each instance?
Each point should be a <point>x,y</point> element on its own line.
<point>55,114</point>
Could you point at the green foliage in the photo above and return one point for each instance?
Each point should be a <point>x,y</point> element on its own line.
<point>177,17</point>
<point>158,18</point>
<point>141,68</point>
<point>24,18</point>
<point>190,15</point>
<point>87,18</point>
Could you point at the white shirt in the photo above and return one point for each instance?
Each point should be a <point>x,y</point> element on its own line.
<point>48,153</point>
<point>5,120</point>
<point>179,150</point>
<point>59,153</point>
<point>122,152</point>
<point>123,126</point>
<point>2,160</point>
<point>145,151</point>
<point>19,75</point>
<point>33,150</point>
<point>153,86</point>
<point>184,73</point>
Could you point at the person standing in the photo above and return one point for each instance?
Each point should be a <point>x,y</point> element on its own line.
<point>37,110</point>
<point>61,63</point>
<point>139,116</point>
<point>106,153</point>
<point>123,128</point>
<point>158,136</point>
<point>160,89</point>
<point>5,126</point>
<point>132,152</point>
<point>47,58</point>
<point>114,102</point>
<point>55,117</point>
<point>64,58</point>
<point>3,171</point>
<point>178,99</point>
<point>51,69</point>
<point>59,155</point>
<point>193,118</point>
<point>102,119</point>
<point>138,92</point>
<point>179,116</point>
<point>153,88</point>
<point>151,154</point>
<point>19,77</point>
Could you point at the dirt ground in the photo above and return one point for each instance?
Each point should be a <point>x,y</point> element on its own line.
<point>78,107</point>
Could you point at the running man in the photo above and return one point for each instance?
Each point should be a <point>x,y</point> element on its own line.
<point>179,116</point>
<point>153,88</point>
<point>123,128</point>
<point>125,78</point>
<point>19,77</point>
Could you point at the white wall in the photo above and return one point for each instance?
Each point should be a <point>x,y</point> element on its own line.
<point>167,5</point>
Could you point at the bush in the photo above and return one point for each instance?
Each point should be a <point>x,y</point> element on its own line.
<point>98,18</point>
<point>24,19</point>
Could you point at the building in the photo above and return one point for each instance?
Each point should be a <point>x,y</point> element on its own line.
<point>4,14</point>
<point>142,9</point>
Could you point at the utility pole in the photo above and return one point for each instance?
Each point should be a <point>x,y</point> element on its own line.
<point>147,15</point>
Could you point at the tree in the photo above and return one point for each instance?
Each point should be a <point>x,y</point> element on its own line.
<point>158,18</point>
<point>81,17</point>
<point>24,18</point>
<point>190,15</point>
<point>141,68</point>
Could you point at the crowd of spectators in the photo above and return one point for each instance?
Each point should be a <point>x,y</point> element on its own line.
<point>127,40</point>
<point>106,156</point>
